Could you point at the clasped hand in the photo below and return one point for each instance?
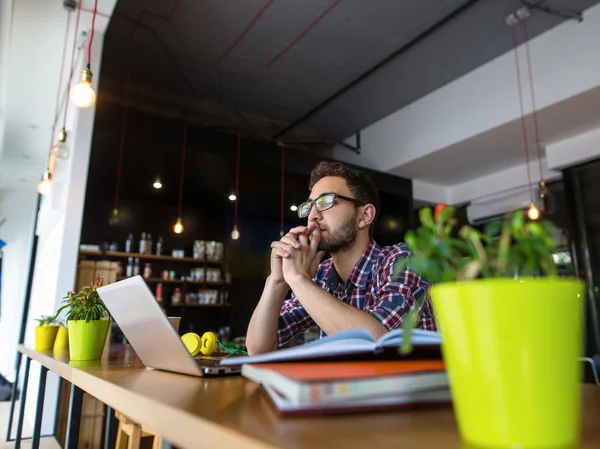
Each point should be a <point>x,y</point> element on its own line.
<point>298,252</point>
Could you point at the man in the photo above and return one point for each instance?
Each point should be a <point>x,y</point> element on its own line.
<point>358,287</point>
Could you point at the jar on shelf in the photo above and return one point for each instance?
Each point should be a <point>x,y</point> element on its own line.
<point>120,270</point>
<point>176,298</point>
<point>147,270</point>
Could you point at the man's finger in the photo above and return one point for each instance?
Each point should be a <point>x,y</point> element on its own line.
<point>320,255</point>
<point>290,241</point>
<point>303,240</point>
<point>278,253</point>
<point>315,239</point>
<point>298,230</point>
<point>283,247</point>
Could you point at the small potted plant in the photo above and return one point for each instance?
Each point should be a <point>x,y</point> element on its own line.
<point>45,333</point>
<point>62,338</point>
<point>511,329</point>
<point>88,322</point>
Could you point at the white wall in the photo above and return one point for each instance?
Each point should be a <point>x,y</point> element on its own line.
<point>19,208</point>
<point>576,150</point>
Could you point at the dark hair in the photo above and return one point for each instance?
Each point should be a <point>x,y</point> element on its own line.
<point>359,183</point>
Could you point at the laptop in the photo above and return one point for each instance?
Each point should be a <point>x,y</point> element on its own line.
<point>154,339</point>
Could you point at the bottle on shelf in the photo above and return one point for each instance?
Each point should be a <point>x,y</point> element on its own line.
<point>129,271</point>
<point>129,243</point>
<point>159,292</point>
<point>159,246</point>
<point>143,243</point>
<point>147,270</point>
<point>148,248</point>
<point>136,267</point>
<point>119,269</point>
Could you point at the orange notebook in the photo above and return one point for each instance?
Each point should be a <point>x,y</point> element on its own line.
<point>324,382</point>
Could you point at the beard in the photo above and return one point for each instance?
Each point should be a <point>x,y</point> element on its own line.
<point>342,239</point>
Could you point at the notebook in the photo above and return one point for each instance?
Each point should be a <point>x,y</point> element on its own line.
<point>344,343</point>
<point>303,383</point>
<point>376,403</point>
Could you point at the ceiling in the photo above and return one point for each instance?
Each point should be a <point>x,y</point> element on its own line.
<point>502,147</point>
<point>283,60</point>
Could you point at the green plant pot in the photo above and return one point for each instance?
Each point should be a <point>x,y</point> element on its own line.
<point>45,336</point>
<point>86,340</point>
<point>511,348</point>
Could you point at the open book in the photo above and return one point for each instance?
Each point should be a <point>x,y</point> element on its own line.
<point>370,404</point>
<point>352,341</point>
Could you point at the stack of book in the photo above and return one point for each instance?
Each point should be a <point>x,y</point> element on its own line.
<point>350,372</point>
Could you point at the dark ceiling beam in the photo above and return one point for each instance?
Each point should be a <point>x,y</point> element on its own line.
<point>440,23</point>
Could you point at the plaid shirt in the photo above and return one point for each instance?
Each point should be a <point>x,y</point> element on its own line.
<point>373,286</point>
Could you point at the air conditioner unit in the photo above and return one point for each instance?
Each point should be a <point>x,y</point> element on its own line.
<point>480,211</point>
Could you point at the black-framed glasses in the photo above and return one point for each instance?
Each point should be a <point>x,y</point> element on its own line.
<point>323,202</point>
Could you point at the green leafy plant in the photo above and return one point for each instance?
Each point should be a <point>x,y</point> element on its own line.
<point>45,320</point>
<point>508,247</point>
<point>85,304</point>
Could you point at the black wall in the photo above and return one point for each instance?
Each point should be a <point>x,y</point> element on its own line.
<point>153,148</point>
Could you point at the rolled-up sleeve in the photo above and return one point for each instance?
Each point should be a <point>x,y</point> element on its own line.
<point>397,293</point>
<point>293,320</point>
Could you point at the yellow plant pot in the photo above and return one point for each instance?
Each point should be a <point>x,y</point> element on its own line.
<point>44,337</point>
<point>86,340</point>
<point>511,349</point>
<point>62,339</point>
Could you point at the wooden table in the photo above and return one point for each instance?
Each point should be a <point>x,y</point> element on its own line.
<point>233,412</point>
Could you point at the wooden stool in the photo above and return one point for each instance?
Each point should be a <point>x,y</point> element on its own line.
<point>130,434</point>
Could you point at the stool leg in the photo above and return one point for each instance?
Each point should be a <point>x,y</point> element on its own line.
<point>135,439</point>
<point>121,438</point>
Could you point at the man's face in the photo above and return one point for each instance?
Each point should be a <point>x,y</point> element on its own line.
<point>339,225</point>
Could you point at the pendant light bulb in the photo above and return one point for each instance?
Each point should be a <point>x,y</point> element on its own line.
<point>235,233</point>
<point>82,95</point>
<point>293,208</point>
<point>157,184</point>
<point>178,226</point>
<point>60,150</point>
<point>114,218</point>
<point>232,197</point>
<point>533,213</point>
<point>44,187</point>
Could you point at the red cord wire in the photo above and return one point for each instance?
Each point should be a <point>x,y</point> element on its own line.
<point>237,181</point>
<point>92,32</point>
<point>60,81</point>
<point>535,120</point>
<point>523,123</point>
<point>183,149</point>
<point>282,186</point>
<point>72,65</point>
<point>303,33</point>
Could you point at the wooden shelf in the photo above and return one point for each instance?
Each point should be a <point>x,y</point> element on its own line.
<point>199,305</point>
<point>175,281</point>
<point>122,254</point>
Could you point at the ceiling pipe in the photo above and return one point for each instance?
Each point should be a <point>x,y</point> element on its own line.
<point>372,70</point>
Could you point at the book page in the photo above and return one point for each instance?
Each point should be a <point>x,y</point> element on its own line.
<point>420,337</point>
<point>324,348</point>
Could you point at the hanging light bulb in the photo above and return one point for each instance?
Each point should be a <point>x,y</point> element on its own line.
<point>533,213</point>
<point>114,218</point>
<point>178,226</point>
<point>235,233</point>
<point>44,187</point>
<point>60,150</point>
<point>232,197</point>
<point>157,184</point>
<point>82,95</point>
<point>293,208</point>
